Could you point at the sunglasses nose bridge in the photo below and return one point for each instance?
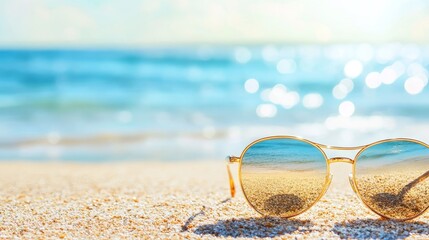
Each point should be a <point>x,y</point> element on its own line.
<point>341,159</point>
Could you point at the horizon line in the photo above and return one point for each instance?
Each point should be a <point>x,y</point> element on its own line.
<point>198,44</point>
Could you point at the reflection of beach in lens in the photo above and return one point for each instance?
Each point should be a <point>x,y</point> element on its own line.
<point>393,178</point>
<point>283,177</point>
<point>271,154</point>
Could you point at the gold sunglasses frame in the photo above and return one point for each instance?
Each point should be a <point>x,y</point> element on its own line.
<point>352,178</point>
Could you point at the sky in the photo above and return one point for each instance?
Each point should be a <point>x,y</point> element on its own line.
<point>33,23</point>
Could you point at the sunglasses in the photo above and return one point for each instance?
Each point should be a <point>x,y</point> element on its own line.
<point>284,175</point>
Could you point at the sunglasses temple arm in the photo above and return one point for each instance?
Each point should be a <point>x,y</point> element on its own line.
<point>231,181</point>
<point>229,161</point>
<point>412,184</point>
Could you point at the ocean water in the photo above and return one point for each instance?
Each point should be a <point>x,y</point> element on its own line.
<point>283,154</point>
<point>394,153</point>
<point>208,101</point>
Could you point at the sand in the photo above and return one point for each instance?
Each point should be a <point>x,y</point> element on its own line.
<point>395,195</point>
<point>284,193</point>
<point>169,201</point>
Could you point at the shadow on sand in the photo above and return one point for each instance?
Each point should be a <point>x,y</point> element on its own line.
<point>272,227</point>
<point>282,203</point>
<point>254,227</point>
<point>264,227</point>
<point>379,229</point>
<point>258,227</point>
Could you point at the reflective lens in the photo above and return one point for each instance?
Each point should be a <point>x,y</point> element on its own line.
<point>392,178</point>
<point>282,176</point>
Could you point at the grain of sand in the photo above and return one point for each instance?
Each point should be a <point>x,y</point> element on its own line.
<point>170,201</point>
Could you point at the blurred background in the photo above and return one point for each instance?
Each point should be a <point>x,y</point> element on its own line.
<point>106,80</point>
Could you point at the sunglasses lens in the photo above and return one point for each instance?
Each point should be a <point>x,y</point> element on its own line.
<point>392,178</point>
<point>282,176</point>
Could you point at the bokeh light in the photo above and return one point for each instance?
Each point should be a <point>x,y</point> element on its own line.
<point>353,68</point>
<point>343,88</point>
<point>414,85</point>
<point>290,100</point>
<point>312,100</point>
<point>251,85</point>
<point>346,109</point>
<point>373,80</point>
<point>278,94</point>
<point>388,75</point>
<point>266,110</point>
<point>286,66</point>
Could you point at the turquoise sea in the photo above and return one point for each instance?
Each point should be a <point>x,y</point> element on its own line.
<point>283,154</point>
<point>208,101</point>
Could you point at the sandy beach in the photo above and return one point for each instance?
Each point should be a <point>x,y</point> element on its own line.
<point>170,201</point>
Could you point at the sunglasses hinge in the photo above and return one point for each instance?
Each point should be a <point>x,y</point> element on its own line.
<point>233,159</point>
